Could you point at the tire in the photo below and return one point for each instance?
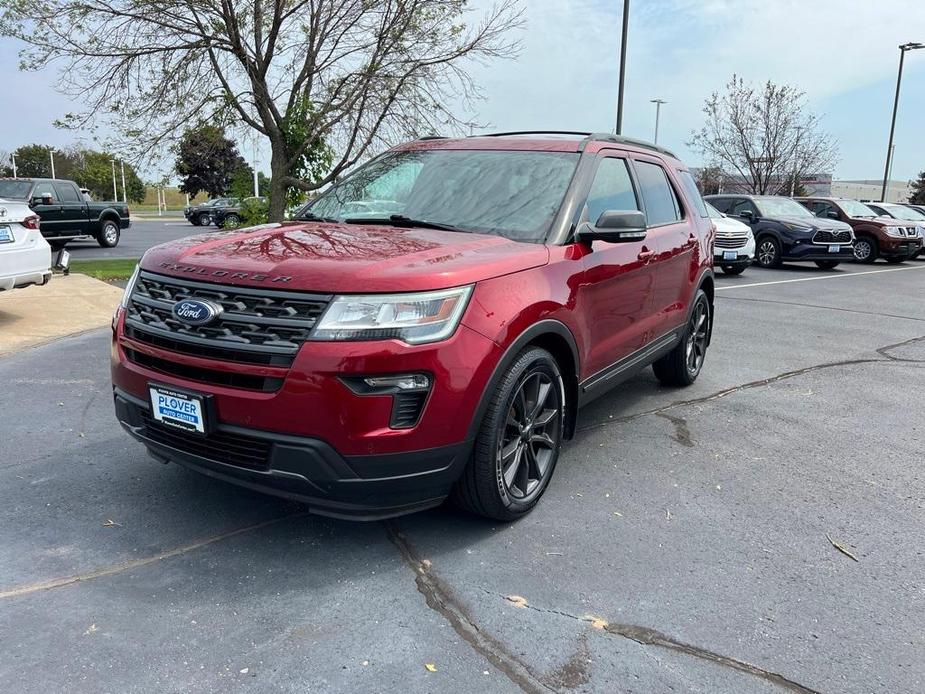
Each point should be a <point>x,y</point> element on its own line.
<point>204,219</point>
<point>109,234</point>
<point>514,454</point>
<point>896,259</point>
<point>680,367</point>
<point>733,269</point>
<point>827,264</point>
<point>767,254</point>
<point>865,249</point>
<point>193,220</point>
<point>57,245</point>
<point>232,221</point>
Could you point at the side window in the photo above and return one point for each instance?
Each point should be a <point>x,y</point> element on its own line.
<point>721,204</point>
<point>822,209</point>
<point>612,189</point>
<point>693,193</point>
<point>67,192</point>
<point>742,206</point>
<point>661,202</point>
<point>44,189</point>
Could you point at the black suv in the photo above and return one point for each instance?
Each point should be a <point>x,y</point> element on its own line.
<point>201,215</point>
<point>229,216</point>
<point>785,230</point>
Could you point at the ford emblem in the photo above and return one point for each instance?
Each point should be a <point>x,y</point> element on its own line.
<point>196,312</point>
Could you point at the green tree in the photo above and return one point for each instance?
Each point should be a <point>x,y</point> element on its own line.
<point>207,160</point>
<point>918,190</point>
<point>94,172</point>
<point>34,161</point>
<point>355,74</point>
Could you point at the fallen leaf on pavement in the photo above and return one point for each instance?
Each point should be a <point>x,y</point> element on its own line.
<point>841,548</point>
<point>597,622</point>
<point>516,600</point>
<point>110,523</point>
<point>90,630</point>
<point>430,667</point>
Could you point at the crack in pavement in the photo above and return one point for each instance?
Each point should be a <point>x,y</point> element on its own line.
<point>647,636</point>
<point>827,308</point>
<point>884,352</point>
<point>440,598</point>
<point>121,567</point>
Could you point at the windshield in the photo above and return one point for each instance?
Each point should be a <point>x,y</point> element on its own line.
<point>853,208</point>
<point>713,212</point>
<point>781,207</point>
<point>901,212</point>
<point>17,190</point>
<point>507,193</point>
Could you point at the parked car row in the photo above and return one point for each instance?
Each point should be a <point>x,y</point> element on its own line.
<point>825,230</point>
<point>224,213</point>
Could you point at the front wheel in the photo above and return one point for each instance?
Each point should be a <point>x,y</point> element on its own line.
<point>827,264</point>
<point>205,219</point>
<point>768,253</point>
<point>682,365</point>
<point>733,269</point>
<point>865,250</point>
<point>109,235</point>
<point>519,440</point>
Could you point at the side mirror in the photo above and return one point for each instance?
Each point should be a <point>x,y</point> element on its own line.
<point>747,215</point>
<point>615,226</point>
<point>832,214</point>
<point>47,199</point>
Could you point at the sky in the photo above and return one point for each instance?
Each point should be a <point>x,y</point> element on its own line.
<point>842,53</point>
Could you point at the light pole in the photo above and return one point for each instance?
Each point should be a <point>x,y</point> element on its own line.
<point>658,109</point>
<point>51,155</point>
<point>899,78</point>
<point>124,192</point>
<point>13,157</point>
<point>115,191</point>
<point>626,22</point>
<point>889,174</point>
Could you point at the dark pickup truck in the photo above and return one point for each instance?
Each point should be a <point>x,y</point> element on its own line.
<point>64,212</point>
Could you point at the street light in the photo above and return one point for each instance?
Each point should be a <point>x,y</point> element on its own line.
<point>626,21</point>
<point>13,157</point>
<point>658,108</point>
<point>115,192</point>
<point>899,78</point>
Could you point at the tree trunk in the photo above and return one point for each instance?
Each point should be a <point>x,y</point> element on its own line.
<point>278,188</point>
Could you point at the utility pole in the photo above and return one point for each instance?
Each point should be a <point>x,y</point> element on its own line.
<point>115,192</point>
<point>658,108</point>
<point>51,154</point>
<point>899,78</point>
<point>124,192</point>
<point>626,22</point>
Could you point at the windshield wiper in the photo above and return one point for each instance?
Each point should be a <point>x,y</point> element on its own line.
<point>312,217</point>
<point>400,220</point>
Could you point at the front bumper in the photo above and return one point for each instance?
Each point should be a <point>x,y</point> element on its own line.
<point>900,247</point>
<point>815,251</point>
<point>366,487</point>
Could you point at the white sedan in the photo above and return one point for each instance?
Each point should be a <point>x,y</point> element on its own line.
<point>25,256</point>
<point>734,247</point>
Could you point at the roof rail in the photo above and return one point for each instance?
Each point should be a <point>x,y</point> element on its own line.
<point>623,140</point>
<point>433,137</point>
<point>534,132</point>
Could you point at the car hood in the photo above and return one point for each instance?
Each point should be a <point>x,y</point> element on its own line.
<point>341,258</point>
<point>823,223</point>
<point>727,225</point>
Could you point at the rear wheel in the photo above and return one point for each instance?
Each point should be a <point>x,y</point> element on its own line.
<point>109,234</point>
<point>865,249</point>
<point>232,221</point>
<point>768,253</point>
<point>827,264</point>
<point>682,365</point>
<point>733,269</point>
<point>519,440</point>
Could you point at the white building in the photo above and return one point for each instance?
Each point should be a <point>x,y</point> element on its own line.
<point>896,191</point>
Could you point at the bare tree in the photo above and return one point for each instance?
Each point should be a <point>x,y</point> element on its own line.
<point>767,136</point>
<point>355,75</point>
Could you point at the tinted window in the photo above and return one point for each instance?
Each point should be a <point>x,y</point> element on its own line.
<point>722,204</point>
<point>693,193</point>
<point>67,192</point>
<point>17,190</point>
<point>43,189</point>
<point>742,206</point>
<point>612,189</point>
<point>661,201</point>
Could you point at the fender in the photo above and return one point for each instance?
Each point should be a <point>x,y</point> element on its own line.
<point>544,327</point>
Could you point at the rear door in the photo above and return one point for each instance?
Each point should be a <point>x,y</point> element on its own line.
<point>618,279</point>
<point>73,208</point>
<point>673,233</point>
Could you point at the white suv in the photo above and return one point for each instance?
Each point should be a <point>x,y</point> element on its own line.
<point>25,257</point>
<point>734,247</point>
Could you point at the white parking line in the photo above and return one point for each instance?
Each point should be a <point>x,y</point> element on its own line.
<point>824,277</point>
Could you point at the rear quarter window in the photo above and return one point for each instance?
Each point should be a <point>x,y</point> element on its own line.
<point>662,206</point>
<point>693,193</point>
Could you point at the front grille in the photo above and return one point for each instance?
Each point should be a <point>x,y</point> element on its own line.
<point>825,236</point>
<point>731,241</point>
<point>212,376</point>
<point>257,326</point>
<point>219,446</point>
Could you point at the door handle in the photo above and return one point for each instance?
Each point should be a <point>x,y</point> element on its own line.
<point>645,255</point>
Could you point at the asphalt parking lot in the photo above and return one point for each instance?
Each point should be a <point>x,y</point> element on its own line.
<point>686,543</point>
<point>139,237</point>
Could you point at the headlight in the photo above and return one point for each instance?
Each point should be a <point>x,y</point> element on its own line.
<point>413,318</point>
<point>126,296</point>
<point>894,231</point>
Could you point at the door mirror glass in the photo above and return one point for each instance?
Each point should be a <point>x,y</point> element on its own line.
<point>45,199</point>
<point>747,215</point>
<point>615,226</point>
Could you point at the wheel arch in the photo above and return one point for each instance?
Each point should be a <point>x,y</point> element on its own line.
<point>555,338</point>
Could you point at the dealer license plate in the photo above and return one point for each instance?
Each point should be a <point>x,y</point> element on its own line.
<point>730,255</point>
<point>834,248</point>
<point>179,410</point>
<point>6,234</point>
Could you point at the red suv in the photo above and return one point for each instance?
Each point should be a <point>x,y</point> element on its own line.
<point>428,327</point>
